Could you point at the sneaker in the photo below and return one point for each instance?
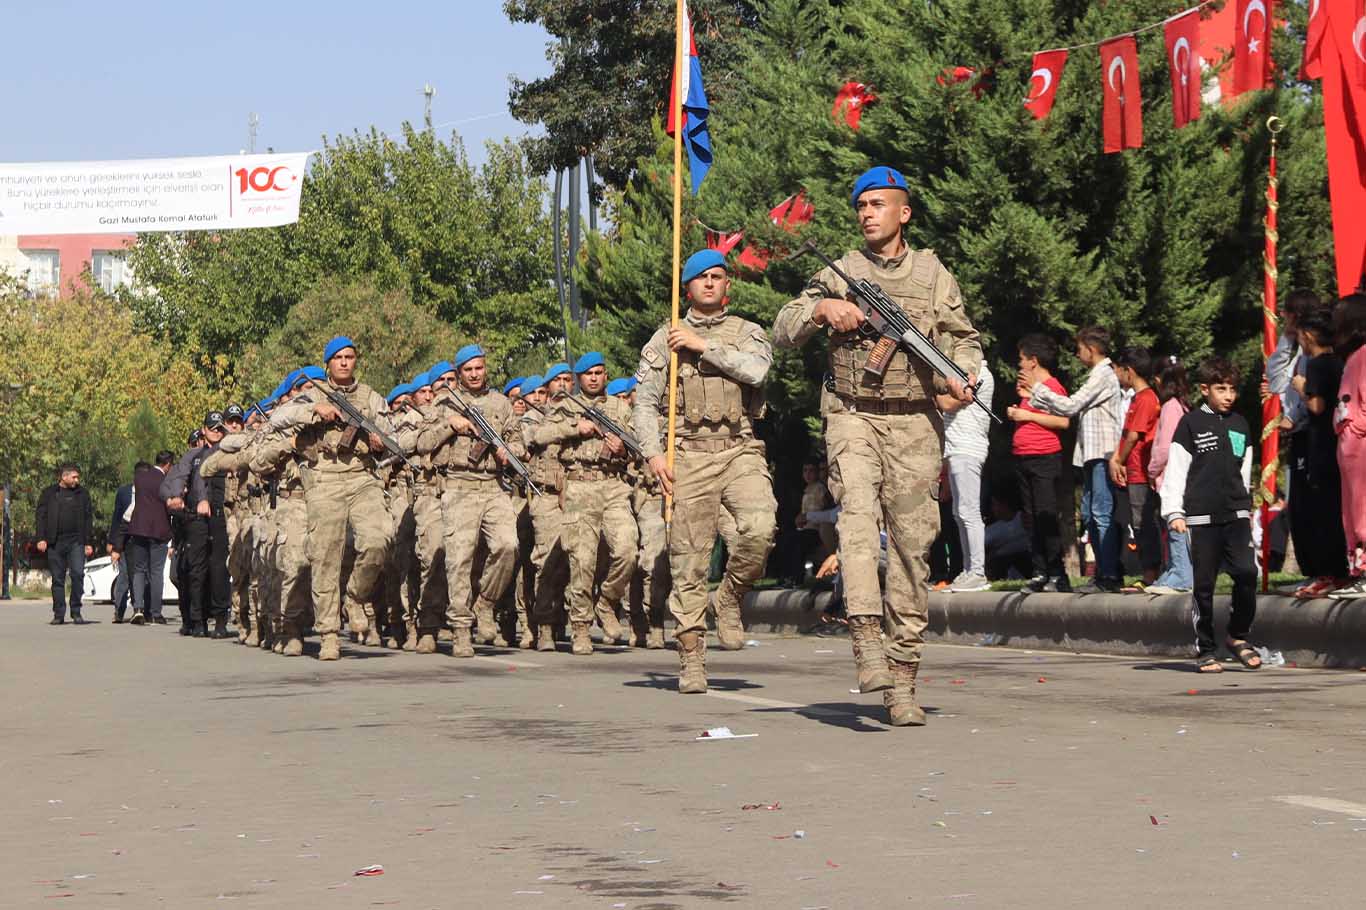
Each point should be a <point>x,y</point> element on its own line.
<point>57,621</point>
<point>1101,586</point>
<point>159,620</point>
<point>1351,591</point>
<point>970,581</point>
<point>1059,585</point>
<point>1165,589</point>
<point>138,619</point>
<point>118,620</point>
<point>79,620</point>
<point>1037,583</point>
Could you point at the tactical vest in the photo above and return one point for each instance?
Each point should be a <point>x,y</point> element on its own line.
<point>544,465</point>
<point>907,378</point>
<point>336,441</point>
<point>708,401</point>
<point>590,451</point>
<point>469,455</point>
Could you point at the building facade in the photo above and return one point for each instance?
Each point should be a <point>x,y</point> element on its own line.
<point>55,263</point>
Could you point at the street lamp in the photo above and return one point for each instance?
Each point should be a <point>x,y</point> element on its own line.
<point>11,391</point>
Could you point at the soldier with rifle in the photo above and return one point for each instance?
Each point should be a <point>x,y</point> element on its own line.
<point>883,434</point>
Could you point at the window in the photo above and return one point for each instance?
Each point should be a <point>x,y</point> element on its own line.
<point>44,270</point>
<point>110,269</point>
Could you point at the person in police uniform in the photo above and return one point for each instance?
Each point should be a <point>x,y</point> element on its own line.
<point>480,526</point>
<point>884,439</point>
<point>720,468</point>
<point>342,488</point>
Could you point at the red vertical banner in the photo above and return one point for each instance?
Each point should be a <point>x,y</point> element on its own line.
<point>1043,82</point>
<point>1182,36</point>
<point>1252,45</point>
<point>1311,67</point>
<point>1343,58</point>
<point>1122,109</point>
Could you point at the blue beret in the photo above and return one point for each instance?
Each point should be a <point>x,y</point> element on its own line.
<point>512,384</point>
<point>700,261</point>
<point>440,369</point>
<point>341,342</point>
<point>420,381</point>
<point>619,386</point>
<point>878,178</point>
<point>401,389</point>
<point>531,384</point>
<point>588,361</point>
<point>315,373</point>
<point>466,354</point>
<point>555,369</point>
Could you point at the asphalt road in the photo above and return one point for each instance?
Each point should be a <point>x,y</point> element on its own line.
<point>145,770</point>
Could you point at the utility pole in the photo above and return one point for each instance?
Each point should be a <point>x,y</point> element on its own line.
<point>428,92</point>
<point>253,121</point>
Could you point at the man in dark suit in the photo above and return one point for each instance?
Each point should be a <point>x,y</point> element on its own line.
<point>117,544</point>
<point>64,521</point>
<point>149,533</point>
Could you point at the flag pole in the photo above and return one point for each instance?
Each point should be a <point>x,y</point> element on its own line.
<point>680,60</point>
<point>1271,408</point>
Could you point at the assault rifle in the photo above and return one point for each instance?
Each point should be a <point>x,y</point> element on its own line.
<point>896,329</point>
<point>609,426</point>
<point>491,437</point>
<point>359,423</point>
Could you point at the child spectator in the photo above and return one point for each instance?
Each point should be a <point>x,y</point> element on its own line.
<point>1096,406</point>
<point>1207,491</point>
<point>1315,485</point>
<point>1173,390</point>
<point>1129,463</point>
<point>965,450</point>
<point>1349,420</point>
<point>1037,447</point>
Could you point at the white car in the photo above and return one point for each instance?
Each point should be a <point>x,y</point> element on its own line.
<point>99,582</point>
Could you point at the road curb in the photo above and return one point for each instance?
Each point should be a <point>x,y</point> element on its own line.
<point>1315,633</point>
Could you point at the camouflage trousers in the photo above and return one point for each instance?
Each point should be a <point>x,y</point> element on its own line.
<point>265,572</point>
<point>650,582</point>
<point>480,531</point>
<point>430,549</point>
<point>549,561</point>
<point>521,592</point>
<point>598,511</point>
<point>885,468</point>
<point>336,502</point>
<point>245,609</point>
<point>397,606</point>
<point>293,571</point>
<point>711,490</point>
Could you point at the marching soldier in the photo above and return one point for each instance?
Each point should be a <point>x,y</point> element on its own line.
<point>523,585</point>
<point>428,530</point>
<point>474,509</point>
<point>341,489</point>
<point>720,468</point>
<point>884,438</point>
<point>549,561</point>
<point>649,591</point>
<point>398,598</point>
<point>597,500</point>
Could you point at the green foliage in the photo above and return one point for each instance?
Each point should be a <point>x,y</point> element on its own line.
<point>612,65</point>
<point>468,246</point>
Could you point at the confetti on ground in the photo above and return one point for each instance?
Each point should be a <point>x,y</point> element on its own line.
<point>370,870</point>
<point>770,806</point>
<point>723,733</point>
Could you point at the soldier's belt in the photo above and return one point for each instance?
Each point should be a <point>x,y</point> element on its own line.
<point>454,473</point>
<point>885,407</point>
<point>712,445</point>
<point>595,474</point>
<point>290,494</point>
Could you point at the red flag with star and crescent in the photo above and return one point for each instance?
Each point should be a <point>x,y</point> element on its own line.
<point>1182,36</point>
<point>1251,46</point>
<point>1122,110</point>
<point>1311,66</point>
<point>1343,58</point>
<point>1043,82</point>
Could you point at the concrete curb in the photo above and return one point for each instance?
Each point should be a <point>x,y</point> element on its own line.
<point>1316,633</point>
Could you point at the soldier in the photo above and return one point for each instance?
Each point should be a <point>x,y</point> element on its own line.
<point>429,548</point>
<point>398,597</point>
<point>884,439</point>
<point>549,561</point>
<point>480,526</point>
<point>341,489</point>
<point>649,591</point>
<point>597,500</point>
<point>228,461</point>
<point>522,590</point>
<point>265,582</point>
<point>720,468</point>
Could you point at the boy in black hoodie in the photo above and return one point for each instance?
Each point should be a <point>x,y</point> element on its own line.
<point>1206,490</point>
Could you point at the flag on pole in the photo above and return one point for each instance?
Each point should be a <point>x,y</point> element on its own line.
<point>1122,105</point>
<point>1252,47</point>
<point>1182,36</point>
<point>695,109</point>
<point>1043,82</point>
<point>1271,408</point>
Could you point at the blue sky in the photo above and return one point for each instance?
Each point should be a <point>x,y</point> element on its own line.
<point>151,78</point>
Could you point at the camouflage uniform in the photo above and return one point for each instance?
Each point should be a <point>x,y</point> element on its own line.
<point>429,602</point>
<point>884,442</point>
<point>720,469</point>
<point>230,460</point>
<point>341,490</point>
<point>480,526</point>
<point>649,594</point>
<point>549,563</point>
<point>284,540</point>
<point>398,602</point>
<point>597,508</point>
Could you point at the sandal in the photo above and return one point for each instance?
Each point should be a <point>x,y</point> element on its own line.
<point>1209,664</point>
<point>1245,653</point>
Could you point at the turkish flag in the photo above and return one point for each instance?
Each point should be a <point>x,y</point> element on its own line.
<point>722,242</point>
<point>1311,67</point>
<point>1122,113</point>
<point>1043,82</point>
<point>1342,55</point>
<point>851,99</point>
<point>1182,36</point>
<point>1251,46</point>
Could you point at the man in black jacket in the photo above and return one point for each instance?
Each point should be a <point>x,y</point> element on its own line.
<point>149,533</point>
<point>64,521</point>
<point>118,543</point>
<point>204,556</point>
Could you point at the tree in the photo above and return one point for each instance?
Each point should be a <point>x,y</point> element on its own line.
<point>612,63</point>
<point>468,246</point>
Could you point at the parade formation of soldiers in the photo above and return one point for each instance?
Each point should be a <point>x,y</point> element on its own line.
<point>452,509</point>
